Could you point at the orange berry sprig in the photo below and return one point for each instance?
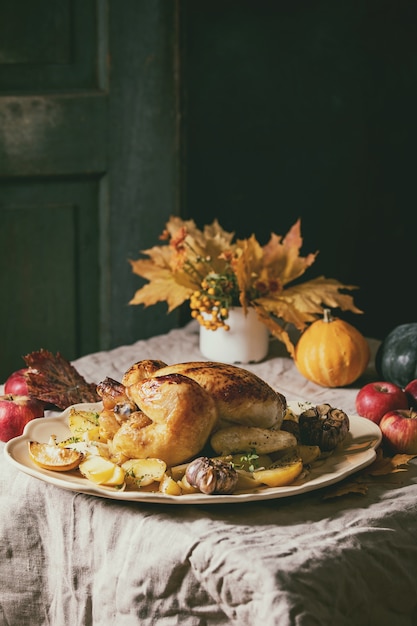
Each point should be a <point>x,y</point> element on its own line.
<point>210,305</point>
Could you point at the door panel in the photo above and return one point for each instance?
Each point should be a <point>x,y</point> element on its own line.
<point>51,45</point>
<point>48,240</point>
<point>53,135</point>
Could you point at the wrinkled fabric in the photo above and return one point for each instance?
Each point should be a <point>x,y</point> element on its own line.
<point>69,558</point>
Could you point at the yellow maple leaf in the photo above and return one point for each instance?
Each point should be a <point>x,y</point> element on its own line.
<point>282,255</point>
<point>163,284</point>
<point>175,270</point>
<point>163,288</point>
<point>300,304</point>
<point>216,232</point>
<point>247,265</point>
<point>206,244</point>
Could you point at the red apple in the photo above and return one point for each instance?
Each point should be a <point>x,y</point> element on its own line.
<point>399,430</point>
<point>376,399</point>
<point>411,391</point>
<point>17,383</point>
<point>15,412</point>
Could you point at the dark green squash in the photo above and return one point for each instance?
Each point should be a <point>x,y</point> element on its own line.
<point>396,357</point>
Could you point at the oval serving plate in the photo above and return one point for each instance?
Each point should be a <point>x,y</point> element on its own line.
<point>356,452</point>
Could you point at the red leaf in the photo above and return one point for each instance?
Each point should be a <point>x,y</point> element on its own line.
<point>54,380</point>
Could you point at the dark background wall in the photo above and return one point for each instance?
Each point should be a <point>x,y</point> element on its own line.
<point>308,109</point>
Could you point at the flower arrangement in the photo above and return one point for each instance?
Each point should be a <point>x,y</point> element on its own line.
<point>216,272</point>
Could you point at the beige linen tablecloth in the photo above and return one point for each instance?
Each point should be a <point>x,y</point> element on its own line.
<point>79,560</point>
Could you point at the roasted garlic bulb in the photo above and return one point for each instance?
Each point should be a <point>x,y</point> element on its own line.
<point>211,475</point>
<point>323,426</point>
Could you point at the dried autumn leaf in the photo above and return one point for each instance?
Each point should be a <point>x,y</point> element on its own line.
<point>213,237</point>
<point>384,465</point>
<point>163,286</point>
<point>213,232</point>
<point>345,488</point>
<point>52,379</point>
<point>175,270</point>
<point>282,255</point>
<point>300,304</point>
<point>246,265</point>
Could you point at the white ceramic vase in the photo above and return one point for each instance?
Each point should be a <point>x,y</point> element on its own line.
<point>247,341</point>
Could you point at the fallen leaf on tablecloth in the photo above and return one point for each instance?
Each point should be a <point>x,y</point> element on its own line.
<point>384,465</point>
<point>52,379</point>
<point>345,488</point>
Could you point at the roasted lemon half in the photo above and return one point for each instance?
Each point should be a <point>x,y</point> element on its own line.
<point>50,456</point>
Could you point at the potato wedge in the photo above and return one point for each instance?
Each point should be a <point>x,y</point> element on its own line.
<point>246,481</point>
<point>281,473</point>
<point>102,471</point>
<point>84,422</point>
<point>169,486</point>
<point>309,454</point>
<point>143,472</point>
<point>234,439</point>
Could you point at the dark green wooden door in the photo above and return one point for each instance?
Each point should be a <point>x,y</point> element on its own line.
<point>88,169</point>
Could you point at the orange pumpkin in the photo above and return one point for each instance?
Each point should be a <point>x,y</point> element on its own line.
<point>331,352</point>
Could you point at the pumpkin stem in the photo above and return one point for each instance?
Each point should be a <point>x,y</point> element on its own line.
<point>327,315</point>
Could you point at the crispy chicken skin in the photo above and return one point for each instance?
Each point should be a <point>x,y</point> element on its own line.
<point>180,416</point>
<point>241,396</point>
<point>140,370</point>
<point>111,392</point>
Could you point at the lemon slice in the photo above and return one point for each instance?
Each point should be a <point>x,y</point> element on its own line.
<point>50,456</point>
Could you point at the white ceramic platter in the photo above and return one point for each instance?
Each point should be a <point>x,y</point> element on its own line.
<point>356,452</point>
